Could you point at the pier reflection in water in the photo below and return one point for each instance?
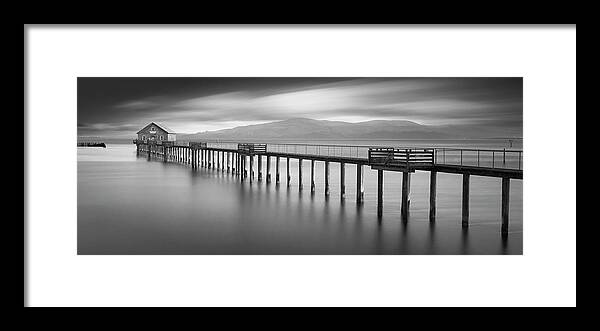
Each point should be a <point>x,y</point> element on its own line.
<point>129,205</point>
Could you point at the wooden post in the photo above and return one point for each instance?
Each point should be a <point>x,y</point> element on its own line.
<point>288,172</point>
<point>233,163</point>
<point>379,193</point>
<point>228,164</point>
<point>242,165</point>
<point>312,176</point>
<point>300,174</point>
<point>405,195</point>
<point>277,170</point>
<point>268,169</point>
<point>251,167</point>
<point>465,200</point>
<point>164,154</point>
<point>148,151</point>
<point>360,189</point>
<point>193,157</point>
<point>432,195</point>
<point>219,160</point>
<point>505,203</point>
<point>342,180</point>
<point>245,165</point>
<point>326,178</point>
<point>259,167</point>
<point>223,161</point>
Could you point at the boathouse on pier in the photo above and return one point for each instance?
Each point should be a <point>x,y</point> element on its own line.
<point>156,132</point>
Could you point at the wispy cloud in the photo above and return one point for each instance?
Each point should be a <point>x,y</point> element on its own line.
<point>426,101</point>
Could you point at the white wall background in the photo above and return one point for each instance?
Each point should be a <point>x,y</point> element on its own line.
<point>545,275</point>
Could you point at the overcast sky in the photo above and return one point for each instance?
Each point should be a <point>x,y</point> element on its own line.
<point>119,107</point>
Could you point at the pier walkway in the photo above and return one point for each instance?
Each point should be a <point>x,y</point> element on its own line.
<point>239,159</point>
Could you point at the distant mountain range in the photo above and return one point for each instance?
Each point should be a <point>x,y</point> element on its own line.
<point>309,129</point>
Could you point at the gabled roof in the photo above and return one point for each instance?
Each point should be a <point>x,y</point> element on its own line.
<point>159,125</point>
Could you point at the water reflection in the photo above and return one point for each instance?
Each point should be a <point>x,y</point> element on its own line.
<point>140,207</point>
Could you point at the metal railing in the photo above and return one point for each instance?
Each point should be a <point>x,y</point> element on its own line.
<point>487,158</point>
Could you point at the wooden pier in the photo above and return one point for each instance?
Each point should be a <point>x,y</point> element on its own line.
<point>238,159</point>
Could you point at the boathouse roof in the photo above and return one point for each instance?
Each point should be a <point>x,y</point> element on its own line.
<point>160,126</point>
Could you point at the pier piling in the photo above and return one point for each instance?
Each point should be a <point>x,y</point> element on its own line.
<point>277,170</point>
<point>405,205</point>
<point>465,200</point>
<point>312,176</point>
<point>259,167</point>
<point>268,169</point>
<point>198,155</point>
<point>251,167</point>
<point>233,165</point>
<point>243,167</point>
<point>360,189</point>
<point>342,180</point>
<point>289,178</point>
<point>505,203</point>
<point>326,178</point>
<point>379,193</point>
<point>300,174</point>
<point>432,195</point>
<point>228,164</point>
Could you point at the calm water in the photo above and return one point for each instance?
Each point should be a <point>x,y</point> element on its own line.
<point>129,205</point>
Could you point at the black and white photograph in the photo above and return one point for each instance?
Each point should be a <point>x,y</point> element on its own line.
<point>288,165</point>
<point>241,165</point>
